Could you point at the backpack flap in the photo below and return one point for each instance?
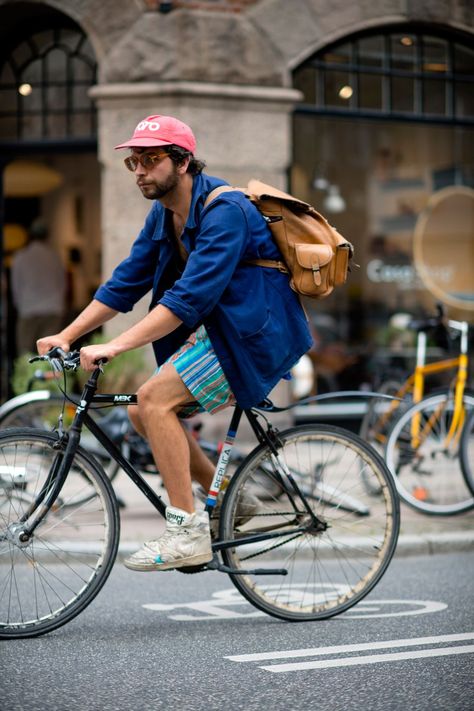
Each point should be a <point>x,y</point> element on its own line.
<point>311,271</point>
<point>259,192</point>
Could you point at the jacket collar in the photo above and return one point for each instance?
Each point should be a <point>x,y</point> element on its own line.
<point>202,185</point>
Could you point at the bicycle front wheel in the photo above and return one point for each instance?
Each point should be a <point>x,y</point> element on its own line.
<point>49,579</point>
<point>310,571</point>
<point>376,420</point>
<point>423,454</point>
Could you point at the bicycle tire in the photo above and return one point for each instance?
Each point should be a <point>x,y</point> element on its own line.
<point>327,572</point>
<point>371,430</point>
<point>38,409</point>
<point>467,451</point>
<point>429,476</point>
<point>47,581</point>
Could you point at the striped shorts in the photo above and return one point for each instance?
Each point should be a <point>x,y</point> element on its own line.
<point>197,365</point>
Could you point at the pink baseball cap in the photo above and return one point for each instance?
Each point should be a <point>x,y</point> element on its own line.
<point>161,131</point>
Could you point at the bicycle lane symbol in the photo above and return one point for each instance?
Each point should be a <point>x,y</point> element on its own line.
<point>229,604</point>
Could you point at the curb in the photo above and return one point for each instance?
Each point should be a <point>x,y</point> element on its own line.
<point>432,543</point>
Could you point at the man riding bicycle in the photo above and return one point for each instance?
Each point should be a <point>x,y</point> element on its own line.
<point>223,330</point>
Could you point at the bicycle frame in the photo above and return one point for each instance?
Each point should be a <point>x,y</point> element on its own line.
<point>415,384</point>
<point>61,465</point>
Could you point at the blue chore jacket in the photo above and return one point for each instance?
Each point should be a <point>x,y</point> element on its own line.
<point>254,320</point>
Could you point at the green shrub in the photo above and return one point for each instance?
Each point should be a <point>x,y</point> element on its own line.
<point>125,373</point>
<point>23,377</point>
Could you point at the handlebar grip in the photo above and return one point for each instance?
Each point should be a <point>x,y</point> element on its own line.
<point>56,352</point>
<point>101,361</point>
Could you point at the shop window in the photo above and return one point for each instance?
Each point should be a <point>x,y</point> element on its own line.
<point>44,84</point>
<point>393,127</point>
<point>370,91</point>
<point>394,72</point>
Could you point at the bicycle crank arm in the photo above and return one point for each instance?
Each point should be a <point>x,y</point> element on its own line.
<point>215,565</point>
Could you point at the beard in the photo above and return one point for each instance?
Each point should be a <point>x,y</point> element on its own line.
<point>155,190</point>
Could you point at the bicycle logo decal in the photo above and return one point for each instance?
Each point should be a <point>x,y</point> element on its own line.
<point>223,604</point>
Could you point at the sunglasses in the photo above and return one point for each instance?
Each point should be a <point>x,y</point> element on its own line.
<point>146,160</point>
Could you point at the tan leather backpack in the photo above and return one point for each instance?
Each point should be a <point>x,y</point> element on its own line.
<point>314,253</point>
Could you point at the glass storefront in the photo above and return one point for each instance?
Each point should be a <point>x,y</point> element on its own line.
<point>385,126</point>
<point>49,168</point>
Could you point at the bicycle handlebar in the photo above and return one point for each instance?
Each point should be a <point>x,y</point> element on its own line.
<point>440,321</point>
<point>427,324</point>
<point>60,360</point>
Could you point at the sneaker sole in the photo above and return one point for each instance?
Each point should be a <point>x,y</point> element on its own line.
<point>172,565</point>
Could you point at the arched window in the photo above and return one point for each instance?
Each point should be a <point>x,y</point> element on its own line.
<point>44,82</point>
<point>397,73</point>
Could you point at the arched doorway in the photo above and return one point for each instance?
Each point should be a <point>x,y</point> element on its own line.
<point>387,120</point>
<point>48,145</point>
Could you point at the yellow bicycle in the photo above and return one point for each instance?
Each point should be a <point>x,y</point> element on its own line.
<point>421,442</point>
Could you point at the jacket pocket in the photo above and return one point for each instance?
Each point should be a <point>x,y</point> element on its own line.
<point>267,348</point>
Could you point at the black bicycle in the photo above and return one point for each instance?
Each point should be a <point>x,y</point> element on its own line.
<point>305,555</point>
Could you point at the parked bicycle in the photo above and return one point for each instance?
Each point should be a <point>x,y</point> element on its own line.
<point>303,556</point>
<point>419,436</point>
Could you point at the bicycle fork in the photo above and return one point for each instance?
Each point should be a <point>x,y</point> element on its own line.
<point>60,466</point>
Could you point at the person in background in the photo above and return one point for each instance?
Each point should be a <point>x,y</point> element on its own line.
<point>38,283</point>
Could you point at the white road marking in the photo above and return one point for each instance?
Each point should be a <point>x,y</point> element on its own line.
<point>223,604</point>
<point>343,648</point>
<point>371,659</point>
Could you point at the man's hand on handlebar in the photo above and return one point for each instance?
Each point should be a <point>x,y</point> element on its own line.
<point>91,355</point>
<point>44,345</point>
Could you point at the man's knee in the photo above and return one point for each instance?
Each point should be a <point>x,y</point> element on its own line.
<point>161,394</point>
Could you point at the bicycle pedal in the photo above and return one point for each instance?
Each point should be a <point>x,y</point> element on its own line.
<point>191,569</point>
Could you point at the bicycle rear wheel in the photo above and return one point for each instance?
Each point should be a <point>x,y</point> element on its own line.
<point>427,467</point>
<point>467,451</point>
<point>48,580</point>
<point>328,570</point>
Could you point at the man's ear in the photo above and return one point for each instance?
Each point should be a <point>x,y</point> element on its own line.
<point>182,167</point>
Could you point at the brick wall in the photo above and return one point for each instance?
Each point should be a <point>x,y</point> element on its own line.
<point>212,5</point>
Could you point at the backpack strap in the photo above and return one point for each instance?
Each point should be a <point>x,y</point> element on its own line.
<point>218,191</point>
<point>272,263</point>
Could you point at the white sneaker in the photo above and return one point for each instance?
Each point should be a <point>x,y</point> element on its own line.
<point>186,541</point>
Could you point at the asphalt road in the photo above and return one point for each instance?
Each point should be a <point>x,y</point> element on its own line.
<point>166,640</point>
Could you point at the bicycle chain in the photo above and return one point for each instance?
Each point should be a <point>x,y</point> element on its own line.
<point>276,545</point>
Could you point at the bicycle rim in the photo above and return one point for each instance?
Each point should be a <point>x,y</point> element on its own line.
<point>428,469</point>
<point>47,581</point>
<point>377,420</point>
<point>328,571</point>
